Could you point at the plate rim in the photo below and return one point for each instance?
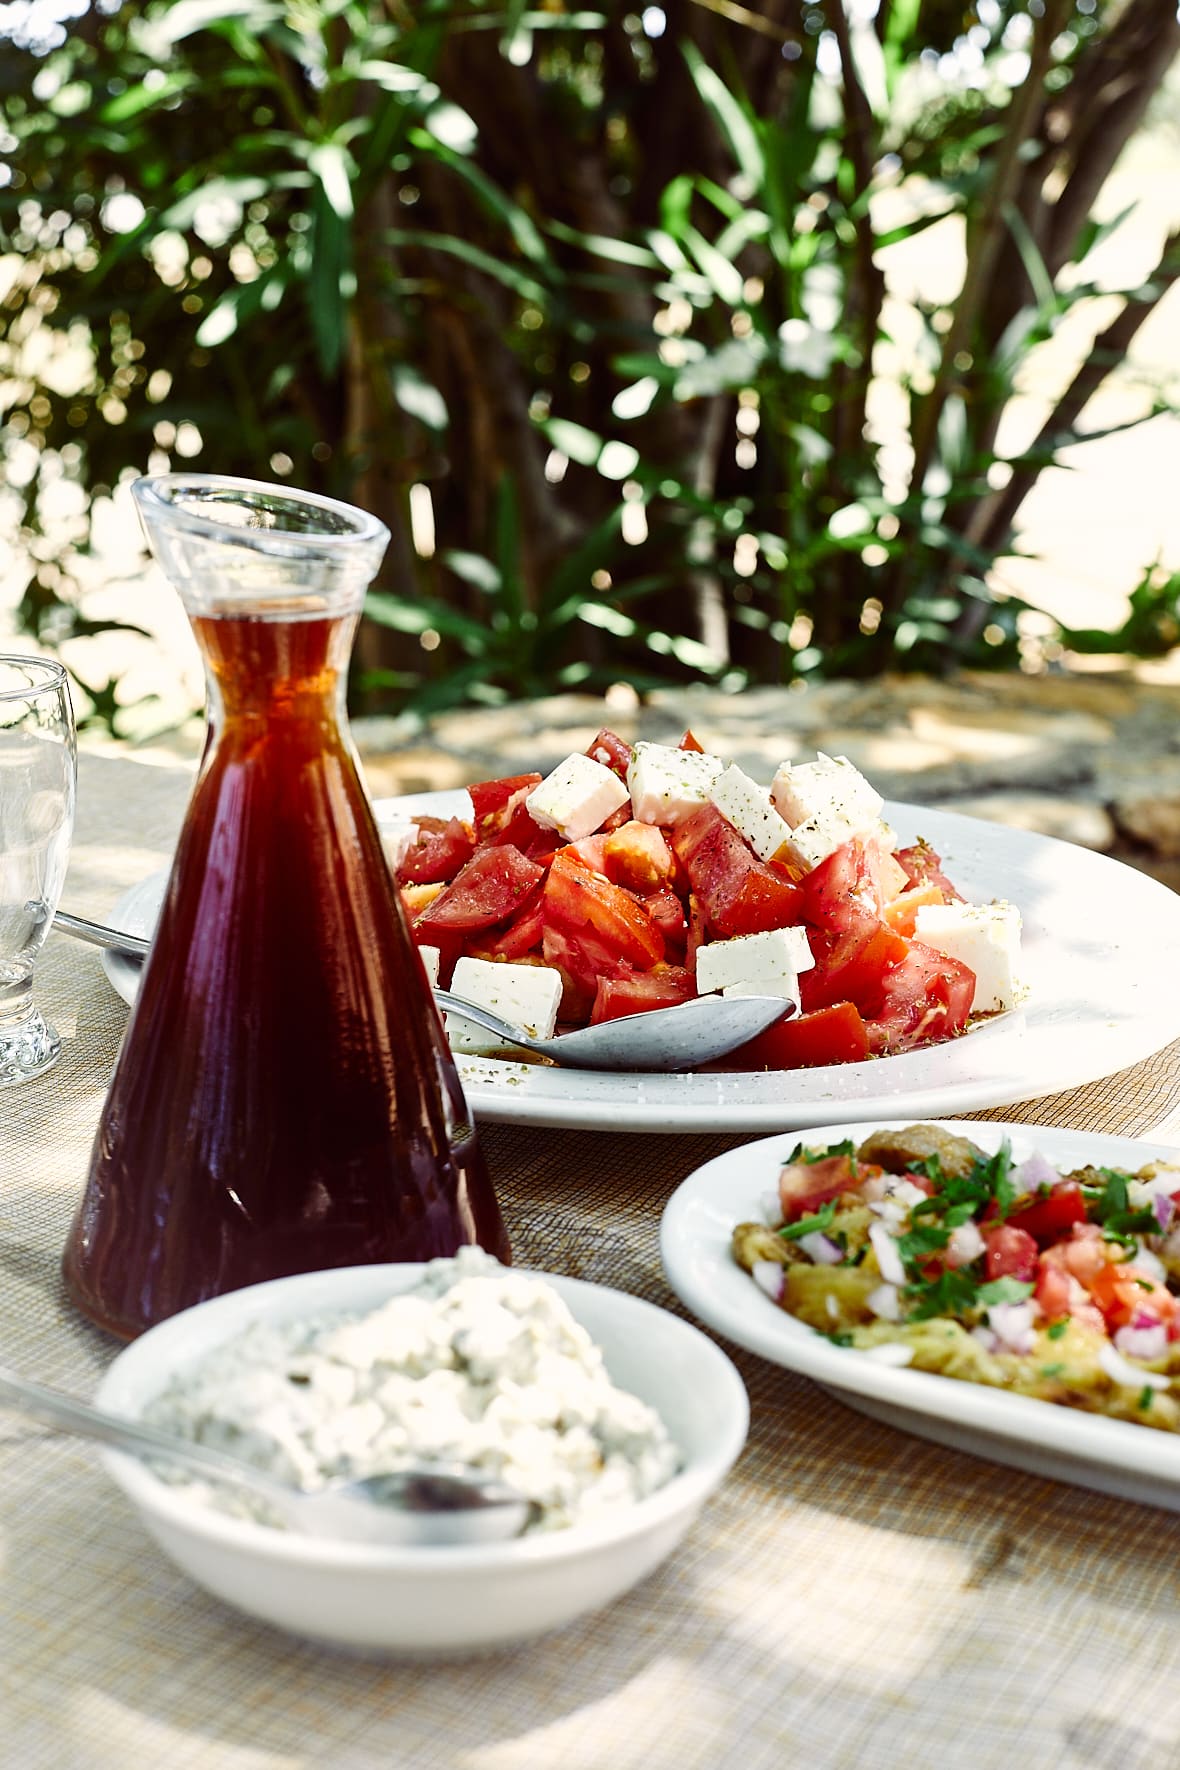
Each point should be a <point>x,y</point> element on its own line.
<point>500,1091</point>
<point>989,1421</point>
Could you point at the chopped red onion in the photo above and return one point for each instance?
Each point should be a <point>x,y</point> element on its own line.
<point>989,1341</point>
<point>1012,1323</point>
<point>965,1245</point>
<point>1130,1375</point>
<point>772,1210</point>
<point>1164,1208</point>
<point>888,1259</point>
<point>1148,1265</point>
<point>885,1302</point>
<point>768,1276</point>
<point>1036,1171</point>
<point>1147,1341</point>
<point>891,1353</point>
<point>821,1248</point>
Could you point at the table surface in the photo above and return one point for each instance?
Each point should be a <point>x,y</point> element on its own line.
<point>852,1597</point>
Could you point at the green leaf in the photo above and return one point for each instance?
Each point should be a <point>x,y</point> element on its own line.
<point>333,166</point>
<point>419,397</point>
<point>518,222</point>
<point>732,117</point>
<point>416,615</point>
<point>518,281</point>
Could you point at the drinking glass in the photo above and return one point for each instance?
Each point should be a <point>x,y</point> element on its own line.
<point>38,771</point>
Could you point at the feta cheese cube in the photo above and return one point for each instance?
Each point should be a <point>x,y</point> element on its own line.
<point>755,964</point>
<point>577,797</point>
<point>667,785</point>
<point>986,938</point>
<point>430,957</point>
<point>527,995</point>
<point>829,787</point>
<point>826,803</point>
<point>748,808</point>
<point>809,843</point>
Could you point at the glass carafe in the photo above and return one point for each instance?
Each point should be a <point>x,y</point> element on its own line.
<point>285,1098</point>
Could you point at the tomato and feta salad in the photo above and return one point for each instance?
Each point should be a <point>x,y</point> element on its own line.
<point>920,1249</point>
<point>637,877</point>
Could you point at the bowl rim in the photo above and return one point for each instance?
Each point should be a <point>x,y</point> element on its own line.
<point>173,1507</point>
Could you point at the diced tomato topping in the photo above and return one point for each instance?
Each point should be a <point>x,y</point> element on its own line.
<point>442,846</point>
<point>1123,1293</point>
<point>1010,1253</point>
<point>1052,1292</point>
<point>738,893</point>
<point>489,889</point>
<point>1082,1256</point>
<point>830,1035</point>
<point>1049,1219</point>
<point>663,987</point>
<point>689,742</point>
<point>804,1186</point>
<point>922,866</point>
<point>637,855</point>
<point>926,998</point>
<point>609,749</point>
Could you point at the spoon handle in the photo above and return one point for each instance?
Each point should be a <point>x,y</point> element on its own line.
<point>95,934</point>
<point>133,1436</point>
<point>503,1029</point>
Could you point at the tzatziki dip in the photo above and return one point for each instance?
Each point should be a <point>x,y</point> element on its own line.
<point>478,1364</point>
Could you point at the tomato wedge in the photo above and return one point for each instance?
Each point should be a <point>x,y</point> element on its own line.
<point>579,901</point>
<point>609,749</point>
<point>854,965</point>
<point>922,866</point>
<point>489,889</point>
<point>737,892</point>
<point>493,801</point>
<point>663,987</point>
<point>925,999</point>
<point>830,1035</point>
<point>441,848</point>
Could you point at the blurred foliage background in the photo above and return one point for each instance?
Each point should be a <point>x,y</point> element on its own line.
<point>588,305</point>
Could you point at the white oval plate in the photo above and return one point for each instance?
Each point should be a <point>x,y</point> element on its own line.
<point>1101,951</point>
<point>1110,1455</point>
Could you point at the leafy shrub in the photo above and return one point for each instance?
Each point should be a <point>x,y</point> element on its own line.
<point>591,306</point>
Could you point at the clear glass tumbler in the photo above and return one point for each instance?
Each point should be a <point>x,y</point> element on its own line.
<point>38,774</point>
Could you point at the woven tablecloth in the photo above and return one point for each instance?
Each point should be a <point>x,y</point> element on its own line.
<point>853,1597</point>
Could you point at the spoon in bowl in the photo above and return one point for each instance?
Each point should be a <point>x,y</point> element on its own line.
<point>428,1506</point>
<point>659,1040</point>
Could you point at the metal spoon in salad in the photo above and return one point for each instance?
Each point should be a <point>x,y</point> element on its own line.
<point>659,1040</point>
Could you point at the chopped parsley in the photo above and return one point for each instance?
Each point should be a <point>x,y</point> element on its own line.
<point>1055,1329</point>
<point>801,1153</point>
<point>1111,1206</point>
<point>819,1224</point>
<point>1146,1397</point>
<point>1004,1290</point>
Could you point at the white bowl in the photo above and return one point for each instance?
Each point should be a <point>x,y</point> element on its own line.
<point>436,1600</point>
